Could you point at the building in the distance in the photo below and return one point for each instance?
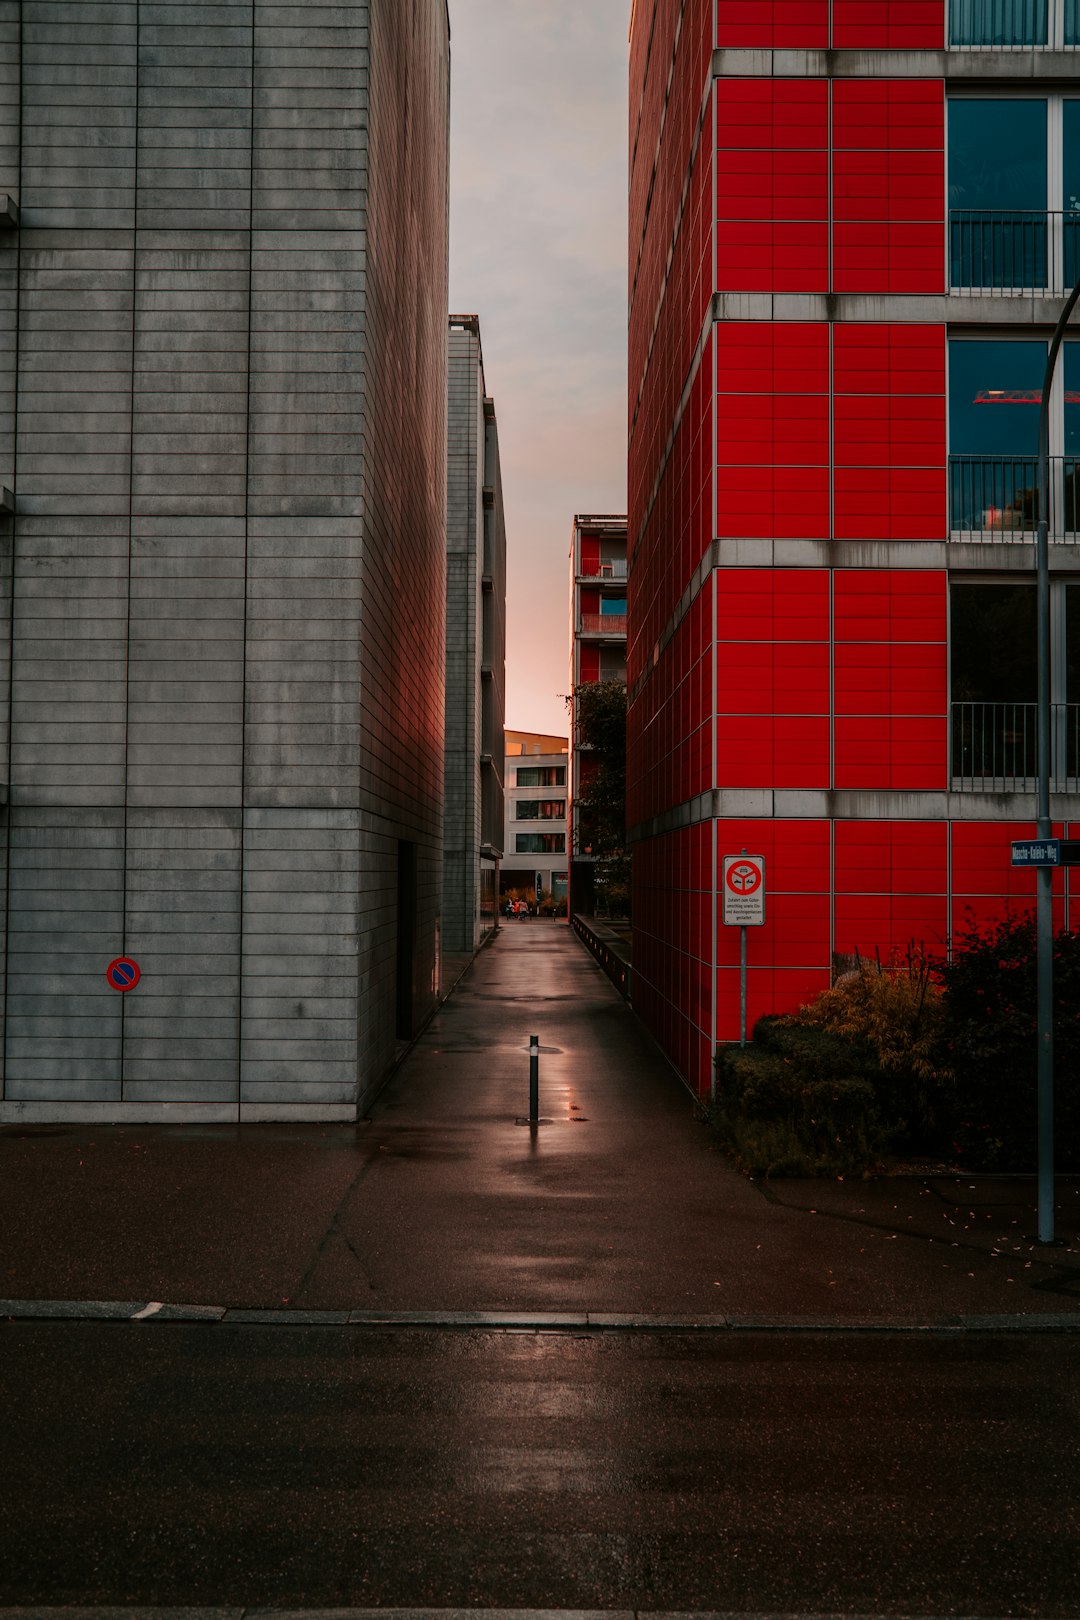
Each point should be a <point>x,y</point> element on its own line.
<point>534,840</point>
<point>852,226</point>
<point>597,653</point>
<point>475,649</point>
<point>224,423</point>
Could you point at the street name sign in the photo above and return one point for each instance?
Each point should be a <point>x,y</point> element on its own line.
<point>1046,852</point>
<point>744,891</point>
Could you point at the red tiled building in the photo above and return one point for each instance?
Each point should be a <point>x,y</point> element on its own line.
<point>851,228</point>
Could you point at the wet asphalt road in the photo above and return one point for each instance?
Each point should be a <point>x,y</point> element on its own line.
<point>843,1472</point>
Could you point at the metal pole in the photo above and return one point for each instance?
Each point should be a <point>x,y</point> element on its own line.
<point>1044,914</point>
<point>742,988</point>
<point>534,1079</point>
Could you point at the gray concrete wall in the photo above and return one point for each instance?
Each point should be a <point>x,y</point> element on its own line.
<point>222,360</point>
<point>464,630</point>
<point>475,647</point>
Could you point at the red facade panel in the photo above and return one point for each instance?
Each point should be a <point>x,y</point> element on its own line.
<point>772,689</point>
<point>905,25</point>
<point>892,884</point>
<point>773,24</point>
<point>772,436</point>
<point>888,186</point>
<point>890,669</point>
<point>673,887</point>
<point>772,205</point>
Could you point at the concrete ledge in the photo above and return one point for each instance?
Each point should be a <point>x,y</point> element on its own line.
<point>151,1113</point>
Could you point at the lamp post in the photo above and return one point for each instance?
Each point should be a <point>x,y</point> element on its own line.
<point>1044,914</point>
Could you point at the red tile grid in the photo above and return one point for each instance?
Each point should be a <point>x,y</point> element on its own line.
<point>772,694</point>
<point>772,429</point>
<point>669,738</point>
<point>670,221</point>
<point>888,185</point>
<point>890,679</point>
<point>773,24</point>
<point>889,432</point>
<point>678,529</point>
<point>909,25</point>
<point>673,946</point>
<point>772,205</point>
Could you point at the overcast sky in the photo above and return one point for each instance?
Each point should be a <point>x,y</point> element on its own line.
<point>538,251</point>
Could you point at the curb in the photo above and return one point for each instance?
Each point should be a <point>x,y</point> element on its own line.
<point>74,1310</point>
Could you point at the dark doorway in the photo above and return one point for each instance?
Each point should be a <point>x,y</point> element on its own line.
<point>406,937</point>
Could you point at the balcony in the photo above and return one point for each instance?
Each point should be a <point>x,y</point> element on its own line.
<point>994,747</point>
<point>603,624</point>
<point>996,498</point>
<point>1014,250</point>
<point>606,568</point>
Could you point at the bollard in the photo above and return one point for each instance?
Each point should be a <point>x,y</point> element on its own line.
<point>534,1079</point>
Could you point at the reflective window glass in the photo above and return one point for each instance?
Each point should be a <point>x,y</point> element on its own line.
<point>994,395</point>
<point>995,389</point>
<point>1070,175</point>
<point>998,192</point>
<point>993,674</point>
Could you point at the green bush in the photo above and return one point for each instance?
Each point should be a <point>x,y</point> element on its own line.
<point>930,1058</point>
<point>892,1016</point>
<point>785,1114</point>
<point>989,1033</point>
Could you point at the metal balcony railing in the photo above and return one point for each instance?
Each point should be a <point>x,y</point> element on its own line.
<point>996,498</point>
<point>1013,250</point>
<point>604,624</point>
<point>994,747</point>
<point>606,568</point>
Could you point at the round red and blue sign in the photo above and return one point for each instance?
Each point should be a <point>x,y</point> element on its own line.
<point>123,973</point>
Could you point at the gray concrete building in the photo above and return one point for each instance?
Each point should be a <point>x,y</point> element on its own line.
<point>475,649</point>
<point>224,426</point>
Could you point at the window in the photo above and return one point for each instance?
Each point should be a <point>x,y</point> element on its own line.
<point>1014,192</point>
<point>995,394</point>
<point>540,843</point>
<point>1014,22</point>
<point>540,810</point>
<point>613,605</point>
<point>541,776</point>
<point>994,676</point>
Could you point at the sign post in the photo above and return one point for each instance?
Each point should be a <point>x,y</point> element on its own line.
<point>744,907</point>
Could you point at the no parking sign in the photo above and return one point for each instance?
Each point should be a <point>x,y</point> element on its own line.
<point>123,973</point>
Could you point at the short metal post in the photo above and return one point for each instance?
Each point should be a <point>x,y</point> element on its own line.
<point>534,1079</point>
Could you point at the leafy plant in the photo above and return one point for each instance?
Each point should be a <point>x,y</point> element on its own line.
<point>893,1016</point>
<point>989,1031</point>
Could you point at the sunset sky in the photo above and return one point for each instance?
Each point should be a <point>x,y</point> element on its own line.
<point>538,251</point>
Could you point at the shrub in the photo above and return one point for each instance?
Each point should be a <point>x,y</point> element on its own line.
<point>893,1018</point>
<point>989,1029</point>
<point>785,1114</point>
<point>837,1086</point>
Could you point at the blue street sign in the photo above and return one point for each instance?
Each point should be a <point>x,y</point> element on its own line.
<point>1037,852</point>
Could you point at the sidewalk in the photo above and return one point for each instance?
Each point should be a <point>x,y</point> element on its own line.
<point>442,1202</point>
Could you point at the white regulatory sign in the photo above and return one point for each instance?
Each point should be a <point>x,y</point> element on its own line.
<point>744,891</point>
